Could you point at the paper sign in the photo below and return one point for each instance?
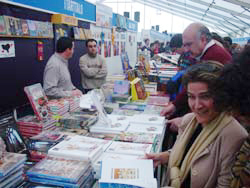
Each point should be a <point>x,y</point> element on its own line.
<point>7,49</point>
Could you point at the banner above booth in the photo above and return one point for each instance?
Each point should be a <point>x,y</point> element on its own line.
<point>78,8</point>
<point>119,21</point>
<point>103,15</point>
<point>132,25</point>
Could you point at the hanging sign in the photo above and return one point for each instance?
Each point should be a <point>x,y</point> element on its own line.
<point>131,25</point>
<point>77,8</point>
<point>64,19</point>
<point>7,49</point>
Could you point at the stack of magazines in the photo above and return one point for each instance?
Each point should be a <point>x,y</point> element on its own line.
<point>11,169</point>
<point>62,172</point>
<point>29,125</point>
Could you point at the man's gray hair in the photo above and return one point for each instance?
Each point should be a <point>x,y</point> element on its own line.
<point>204,31</point>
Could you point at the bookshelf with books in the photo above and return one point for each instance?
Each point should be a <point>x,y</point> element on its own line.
<point>17,27</point>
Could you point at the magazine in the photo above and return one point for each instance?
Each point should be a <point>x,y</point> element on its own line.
<point>2,26</point>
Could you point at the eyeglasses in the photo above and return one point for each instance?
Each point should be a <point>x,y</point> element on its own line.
<point>188,44</point>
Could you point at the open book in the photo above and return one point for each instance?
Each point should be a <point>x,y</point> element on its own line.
<point>127,173</point>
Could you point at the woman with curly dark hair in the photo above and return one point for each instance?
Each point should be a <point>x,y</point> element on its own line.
<point>203,153</point>
<point>234,95</point>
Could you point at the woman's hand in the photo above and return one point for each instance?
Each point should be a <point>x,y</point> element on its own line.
<point>158,158</point>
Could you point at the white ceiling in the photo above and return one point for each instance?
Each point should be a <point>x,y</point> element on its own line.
<point>228,16</point>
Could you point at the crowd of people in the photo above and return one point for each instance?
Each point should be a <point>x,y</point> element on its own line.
<point>212,148</point>
<point>210,110</point>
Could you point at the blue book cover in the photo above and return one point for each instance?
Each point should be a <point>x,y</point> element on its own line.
<point>59,169</point>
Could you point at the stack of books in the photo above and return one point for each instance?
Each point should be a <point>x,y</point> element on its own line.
<point>158,100</point>
<point>62,172</point>
<point>40,144</point>
<point>74,103</point>
<point>11,169</point>
<point>148,119</point>
<point>118,124</point>
<point>29,125</point>
<point>80,148</point>
<point>58,106</point>
<point>137,137</point>
<point>127,173</point>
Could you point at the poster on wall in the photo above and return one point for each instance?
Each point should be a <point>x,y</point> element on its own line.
<point>7,49</point>
<point>103,15</point>
<point>99,47</point>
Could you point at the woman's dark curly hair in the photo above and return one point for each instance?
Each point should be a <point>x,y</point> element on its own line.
<point>233,86</point>
<point>207,72</point>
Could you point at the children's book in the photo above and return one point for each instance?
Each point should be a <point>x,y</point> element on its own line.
<point>127,173</point>
<point>138,89</point>
<point>59,169</point>
<point>38,100</point>
<point>129,148</point>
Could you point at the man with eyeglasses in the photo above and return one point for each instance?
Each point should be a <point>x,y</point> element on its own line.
<point>197,41</point>
<point>93,68</point>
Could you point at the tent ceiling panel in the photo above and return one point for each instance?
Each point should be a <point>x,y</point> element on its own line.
<point>226,15</point>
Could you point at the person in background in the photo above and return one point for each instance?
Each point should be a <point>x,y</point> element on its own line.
<point>152,47</point>
<point>203,153</point>
<point>93,68</point>
<point>228,44</point>
<point>56,79</point>
<point>234,88</point>
<point>197,40</point>
<point>162,48</point>
<point>146,46</point>
<point>157,47</point>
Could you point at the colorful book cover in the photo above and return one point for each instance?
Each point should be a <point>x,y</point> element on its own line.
<point>10,25</point>
<point>76,32</point>
<point>38,100</point>
<point>127,173</point>
<point>158,100</point>
<point>18,26</point>
<point>2,26</point>
<point>10,161</point>
<point>129,148</point>
<point>25,27</point>
<point>59,169</point>
<point>121,87</point>
<point>32,28</point>
<point>144,138</point>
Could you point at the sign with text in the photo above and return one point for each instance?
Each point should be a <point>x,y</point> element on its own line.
<point>77,8</point>
<point>132,25</point>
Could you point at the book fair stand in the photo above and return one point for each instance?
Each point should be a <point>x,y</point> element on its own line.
<point>78,141</point>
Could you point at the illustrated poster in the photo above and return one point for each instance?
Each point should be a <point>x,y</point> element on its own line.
<point>7,49</point>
